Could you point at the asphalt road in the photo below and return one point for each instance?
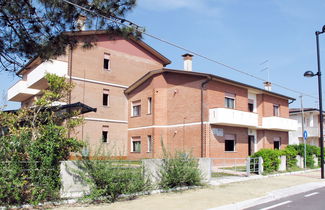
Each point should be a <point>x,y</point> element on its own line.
<point>311,200</point>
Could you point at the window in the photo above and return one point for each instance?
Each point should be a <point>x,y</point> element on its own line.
<point>250,105</point>
<point>230,143</point>
<point>149,143</point>
<point>276,143</point>
<point>276,110</point>
<point>105,97</point>
<point>230,100</point>
<point>106,61</point>
<point>105,134</point>
<point>136,144</point>
<point>149,105</point>
<point>136,108</point>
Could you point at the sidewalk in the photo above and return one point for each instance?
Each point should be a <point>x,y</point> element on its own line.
<point>214,196</point>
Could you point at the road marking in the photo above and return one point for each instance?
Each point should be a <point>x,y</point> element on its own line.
<point>311,194</point>
<point>276,205</point>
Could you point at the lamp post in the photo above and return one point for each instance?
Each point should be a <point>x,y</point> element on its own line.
<point>320,98</point>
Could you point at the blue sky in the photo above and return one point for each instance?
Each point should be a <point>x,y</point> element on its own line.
<point>242,34</point>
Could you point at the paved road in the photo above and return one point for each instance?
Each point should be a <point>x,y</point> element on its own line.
<point>311,200</point>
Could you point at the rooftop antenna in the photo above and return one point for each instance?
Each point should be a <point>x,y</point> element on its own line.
<point>266,69</point>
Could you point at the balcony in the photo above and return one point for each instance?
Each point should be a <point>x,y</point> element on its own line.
<point>36,78</point>
<point>35,81</point>
<point>230,117</point>
<point>279,123</point>
<point>19,92</point>
<point>312,131</point>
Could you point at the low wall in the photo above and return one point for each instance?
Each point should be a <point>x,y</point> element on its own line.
<point>72,185</point>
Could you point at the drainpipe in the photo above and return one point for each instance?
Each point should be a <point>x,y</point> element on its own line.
<point>202,114</point>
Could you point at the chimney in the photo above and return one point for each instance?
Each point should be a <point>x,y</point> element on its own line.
<point>187,62</point>
<point>81,22</point>
<point>267,86</point>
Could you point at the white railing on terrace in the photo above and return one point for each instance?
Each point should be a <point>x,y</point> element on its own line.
<point>224,116</point>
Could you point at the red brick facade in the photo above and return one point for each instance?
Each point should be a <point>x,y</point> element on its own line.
<point>176,117</point>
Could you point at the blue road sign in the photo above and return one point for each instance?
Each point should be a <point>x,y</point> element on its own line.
<point>305,135</point>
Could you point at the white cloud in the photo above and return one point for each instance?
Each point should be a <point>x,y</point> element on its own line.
<point>207,7</point>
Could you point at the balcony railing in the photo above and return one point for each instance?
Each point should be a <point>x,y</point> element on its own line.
<point>223,116</point>
<point>279,123</point>
<point>19,92</point>
<point>35,80</point>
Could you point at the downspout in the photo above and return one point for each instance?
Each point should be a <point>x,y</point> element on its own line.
<point>202,114</point>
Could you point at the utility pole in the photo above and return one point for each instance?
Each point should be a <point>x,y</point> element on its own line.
<point>303,129</point>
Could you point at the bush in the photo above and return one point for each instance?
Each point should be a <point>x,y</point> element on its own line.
<point>310,151</point>
<point>179,170</point>
<point>109,179</point>
<point>290,153</point>
<point>270,157</point>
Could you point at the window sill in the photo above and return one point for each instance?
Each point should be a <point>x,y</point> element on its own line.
<point>136,152</point>
<point>148,113</point>
<point>135,116</point>
<point>230,151</point>
<point>148,152</point>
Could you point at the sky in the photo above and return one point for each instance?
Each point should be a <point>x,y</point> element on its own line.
<point>248,35</point>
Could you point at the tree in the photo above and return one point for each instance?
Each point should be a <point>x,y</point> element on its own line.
<point>35,141</point>
<point>30,28</point>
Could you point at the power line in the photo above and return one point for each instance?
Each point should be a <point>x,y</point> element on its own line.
<point>138,28</point>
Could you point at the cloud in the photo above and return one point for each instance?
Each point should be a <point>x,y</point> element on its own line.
<point>207,7</point>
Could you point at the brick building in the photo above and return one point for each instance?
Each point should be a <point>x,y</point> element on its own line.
<point>206,114</point>
<point>140,104</point>
<point>100,75</point>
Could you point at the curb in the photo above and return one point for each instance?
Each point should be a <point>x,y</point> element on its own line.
<point>272,196</point>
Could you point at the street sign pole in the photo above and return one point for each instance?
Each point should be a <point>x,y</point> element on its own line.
<point>305,137</point>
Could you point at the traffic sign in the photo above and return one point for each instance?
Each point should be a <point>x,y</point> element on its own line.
<point>305,135</point>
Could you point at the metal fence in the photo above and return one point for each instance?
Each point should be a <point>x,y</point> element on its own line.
<point>226,167</point>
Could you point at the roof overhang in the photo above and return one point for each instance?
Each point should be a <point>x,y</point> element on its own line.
<point>208,76</point>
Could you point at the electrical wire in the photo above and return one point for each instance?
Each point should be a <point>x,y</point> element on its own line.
<point>122,21</point>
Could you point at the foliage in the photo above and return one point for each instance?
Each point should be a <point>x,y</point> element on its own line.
<point>270,157</point>
<point>36,28</point>
<point>310,151</point>
<point>290,153</point>
<point>109,179</point>
<point>180,169</point>
<point>35,142</point>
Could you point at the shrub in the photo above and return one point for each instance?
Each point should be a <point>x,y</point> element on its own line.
<point>310,151</point>
<point>179,170</point>
<point>109,179</point>
<point>270,157</point>
<point>290,153</point>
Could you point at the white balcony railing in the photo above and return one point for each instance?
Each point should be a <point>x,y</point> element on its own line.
<point>223,116</point>
<point>312,132</point>
<point>279,123</point>
<point>19,92</point>
<point>35,79</point>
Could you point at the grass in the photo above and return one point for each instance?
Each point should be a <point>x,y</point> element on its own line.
<point>235,168</point>
<point>221,174</point>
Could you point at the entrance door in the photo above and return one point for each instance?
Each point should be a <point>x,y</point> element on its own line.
<point>250,145</point>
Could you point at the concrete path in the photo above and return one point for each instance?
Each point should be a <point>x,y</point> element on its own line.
<point>249,191</point>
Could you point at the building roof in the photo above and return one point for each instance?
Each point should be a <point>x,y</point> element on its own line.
<point>165,61</point>
<point>199,74</point>
<point>298,110</point>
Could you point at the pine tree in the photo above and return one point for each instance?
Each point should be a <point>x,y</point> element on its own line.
<point>30,28</point>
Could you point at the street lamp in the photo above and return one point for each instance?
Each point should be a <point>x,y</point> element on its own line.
<point>319,74</point>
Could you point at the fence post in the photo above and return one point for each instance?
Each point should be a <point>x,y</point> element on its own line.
<point>260,166</point>
<point>248,166</point>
